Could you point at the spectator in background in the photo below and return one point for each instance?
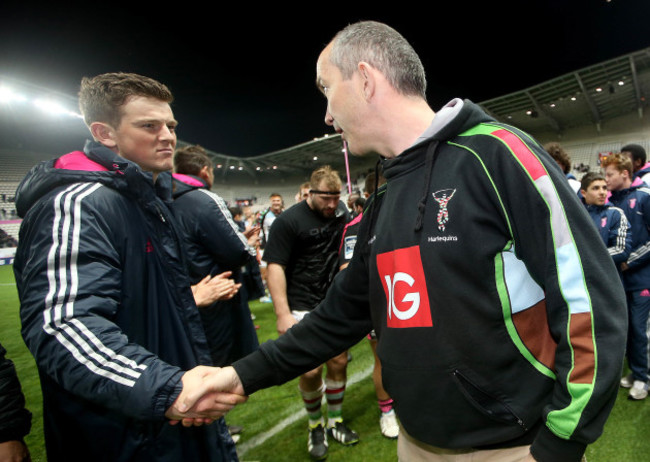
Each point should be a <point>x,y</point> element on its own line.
<point>302,259</point>
<point>303,192</point>
<point>611,221</point>
<point>105,298</point>
<point>563,159</point>
<point>641,168</point>
<point>15,419</point>
<point>214,245</point>
<point>269,216</point>
<point>249,216</point>
<point>634,200</point>
<point>357,207</point>
<point>352,197</point>
<point>217,244</point>
<point>238,217</point>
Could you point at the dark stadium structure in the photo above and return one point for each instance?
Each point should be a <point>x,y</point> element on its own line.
<point>590,111</point>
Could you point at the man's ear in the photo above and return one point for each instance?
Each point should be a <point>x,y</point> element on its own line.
<point>368,79</point>
<point>103,133</point>
<point>204,173</point>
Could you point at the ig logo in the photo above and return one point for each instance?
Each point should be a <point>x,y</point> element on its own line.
<point>407,300</point>
<point>413,297</point>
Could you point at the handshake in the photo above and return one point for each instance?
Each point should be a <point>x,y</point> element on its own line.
<point>208,394</point>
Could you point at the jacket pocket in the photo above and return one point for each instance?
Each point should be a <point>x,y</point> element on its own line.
<point>485,402</point>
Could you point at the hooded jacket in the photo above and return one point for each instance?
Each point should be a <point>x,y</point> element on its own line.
<point>214,244</point>
<point>614,230</point>
<point>643,174</point>
<point>635,203</point>
<point>499,315</point>
<point>107,310</point>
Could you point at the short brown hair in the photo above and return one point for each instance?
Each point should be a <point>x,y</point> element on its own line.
<point>102,97</point>
<point>560,156</point>
<point>189,160</point>
<point>620,161</point>
<point>589,178</point>
<point>331,177</point>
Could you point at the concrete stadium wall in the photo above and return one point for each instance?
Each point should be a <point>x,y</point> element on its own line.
<point>585,143</point>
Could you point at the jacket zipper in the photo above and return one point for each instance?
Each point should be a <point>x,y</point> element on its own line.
<point>463,378</point>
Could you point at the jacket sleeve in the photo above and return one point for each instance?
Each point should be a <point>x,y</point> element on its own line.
<point>640,256</point>
<point>220,234</point>
<point>585,303</point>
<point>620,238</point>
<point>15,419</point>
<point>69,279</point>
<point>339,322</point>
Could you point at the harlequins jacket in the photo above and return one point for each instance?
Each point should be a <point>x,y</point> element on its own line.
<point>499,314</point>
<point>107,310</point>
<point>214,244</point>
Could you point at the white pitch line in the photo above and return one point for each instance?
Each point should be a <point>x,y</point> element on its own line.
<point>262,437</point>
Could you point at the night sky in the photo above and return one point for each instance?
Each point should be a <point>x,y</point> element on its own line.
<point>243,76</point>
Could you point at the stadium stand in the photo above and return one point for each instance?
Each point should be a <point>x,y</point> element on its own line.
<point>591,112</point>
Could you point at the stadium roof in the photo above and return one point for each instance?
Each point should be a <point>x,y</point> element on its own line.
<point>589,96</point>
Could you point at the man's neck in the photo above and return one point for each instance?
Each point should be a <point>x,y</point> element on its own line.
<point>404,124</point>
<point>625,186</point>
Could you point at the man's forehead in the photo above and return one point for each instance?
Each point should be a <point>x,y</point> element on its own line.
<point>324,187</point>
<point>322,65</point>
<point>142,105</point>
<point>324,57</point>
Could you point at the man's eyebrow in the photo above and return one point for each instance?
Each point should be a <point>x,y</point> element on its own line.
<point>156,121</point>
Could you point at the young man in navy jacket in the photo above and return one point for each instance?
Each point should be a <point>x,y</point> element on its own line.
<point>634,199</point>
<point>106,304</point>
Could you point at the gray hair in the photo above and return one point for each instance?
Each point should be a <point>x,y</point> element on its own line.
<point>384,49</point>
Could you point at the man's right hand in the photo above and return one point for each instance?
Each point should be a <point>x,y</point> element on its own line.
<point>284,322</point>
<point>14,451</point>
<point>208,394</point>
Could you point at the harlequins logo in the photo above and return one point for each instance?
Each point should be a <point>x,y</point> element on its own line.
<point>443,197</point>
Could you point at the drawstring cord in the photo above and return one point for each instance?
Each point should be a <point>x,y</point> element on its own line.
<point>371,210</point>
<point>431,156</point>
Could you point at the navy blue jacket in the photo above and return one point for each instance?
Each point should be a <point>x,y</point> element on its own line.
<point>214,244</point>
<point>614,229</point>
<point>635,203</point>
<point>107,311</point>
